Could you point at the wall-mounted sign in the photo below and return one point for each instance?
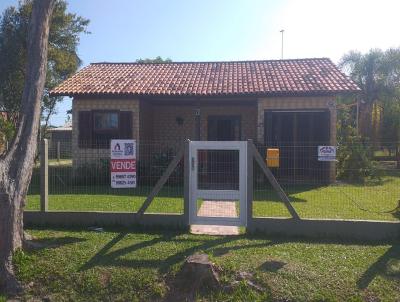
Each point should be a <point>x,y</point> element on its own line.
<point>123,163</point>
<point>327,153</point>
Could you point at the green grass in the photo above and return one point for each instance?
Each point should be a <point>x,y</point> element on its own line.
<point>344,201</point>
<point>334,201</point>
<point>341,201</point>
<point>79,265</point>
<point>104,198</point>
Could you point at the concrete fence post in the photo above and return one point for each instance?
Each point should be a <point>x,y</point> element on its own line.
<point>44,176</point>
<point>58,151</point>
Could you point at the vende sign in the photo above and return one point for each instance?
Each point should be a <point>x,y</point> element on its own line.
<point>123,163</point>
<point>327,153</point>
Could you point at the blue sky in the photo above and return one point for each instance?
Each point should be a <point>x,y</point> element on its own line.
<point>189,30</point>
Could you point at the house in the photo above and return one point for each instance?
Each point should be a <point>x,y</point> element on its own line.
<point>60,141</point>
<point>61,134</point>
<point>289,104</point>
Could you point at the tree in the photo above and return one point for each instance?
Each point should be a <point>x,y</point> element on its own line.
<point>16,165</point>
<point>63,60</point>
<point>365,71</point>
<point>378,74</point>
<point>158,59</point>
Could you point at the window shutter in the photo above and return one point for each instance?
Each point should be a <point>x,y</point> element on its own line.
<point>85,123</point>
<point>125,125</point>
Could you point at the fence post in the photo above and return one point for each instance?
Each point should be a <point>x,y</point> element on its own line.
<point>44,176</point>
<point>58,151</point>
<point>250,182</point>
<point>186,175</point>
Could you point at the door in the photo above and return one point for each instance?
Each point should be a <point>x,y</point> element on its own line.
<point>216,162</point>
<point>297,134</point>
<point>221,205</point>
<point>223,128</point>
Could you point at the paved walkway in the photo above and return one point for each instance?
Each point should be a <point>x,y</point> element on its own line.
<point>216,209</point>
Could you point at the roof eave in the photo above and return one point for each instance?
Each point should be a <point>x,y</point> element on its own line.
<point>255,94</point>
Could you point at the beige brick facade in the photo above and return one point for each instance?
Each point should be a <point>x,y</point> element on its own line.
<point>166,128</point>
<point>161,123</point>
<point>83,154</point>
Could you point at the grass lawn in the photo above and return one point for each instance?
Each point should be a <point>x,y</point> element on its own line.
<point>119,265</point>
<point>343,201</point>
<point>104,198</point>
<point>335,201</point>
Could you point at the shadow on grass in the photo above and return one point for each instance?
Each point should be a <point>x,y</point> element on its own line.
<point>37,244</point>
<point>272,266</point>
<point>106,257</point>
<point>387,266</point>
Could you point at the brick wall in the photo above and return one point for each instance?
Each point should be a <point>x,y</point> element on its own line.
<point>158,123</point>
<point>165,126</point>
<point>85,154</point>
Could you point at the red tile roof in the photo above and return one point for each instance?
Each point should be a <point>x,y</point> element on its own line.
<point>273,77</point>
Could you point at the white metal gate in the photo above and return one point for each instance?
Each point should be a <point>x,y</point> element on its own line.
<point>218,183</point>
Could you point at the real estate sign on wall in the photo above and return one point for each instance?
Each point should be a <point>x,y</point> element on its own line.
<point>327,153</point>
<point>123,163</point>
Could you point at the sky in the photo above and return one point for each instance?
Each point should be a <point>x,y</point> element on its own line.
<point>223,30</point>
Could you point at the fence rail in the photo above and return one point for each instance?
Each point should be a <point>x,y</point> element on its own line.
<point>363,184</point>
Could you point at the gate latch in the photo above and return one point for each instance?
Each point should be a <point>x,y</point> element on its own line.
<point>192,163</point>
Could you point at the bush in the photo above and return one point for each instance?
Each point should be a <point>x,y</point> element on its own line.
<point>355,161</point>
<point>96,172</point>
<point>151,170</point>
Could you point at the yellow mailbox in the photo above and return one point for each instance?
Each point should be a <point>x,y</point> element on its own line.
<point>272,158</point>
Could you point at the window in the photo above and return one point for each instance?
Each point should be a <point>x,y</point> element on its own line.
<point>106,121</point>
<point>97,128</point>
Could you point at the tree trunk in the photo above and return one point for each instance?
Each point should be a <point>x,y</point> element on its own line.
<point>365,122</point>
<point>16,165</point>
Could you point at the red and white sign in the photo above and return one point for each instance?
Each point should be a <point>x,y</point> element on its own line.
<point>123,163</point>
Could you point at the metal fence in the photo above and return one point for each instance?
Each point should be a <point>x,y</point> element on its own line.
<point>363,183</point>
<point>79,180</point>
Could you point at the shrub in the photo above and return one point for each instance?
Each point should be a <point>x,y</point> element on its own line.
<point>354,161</point>
<point>96,172</point>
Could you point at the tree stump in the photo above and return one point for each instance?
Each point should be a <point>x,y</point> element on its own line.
<point>197,273</point>
<point>200,272</point>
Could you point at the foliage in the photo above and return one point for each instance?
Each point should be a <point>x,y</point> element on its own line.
<point>346,116</point>
<point>355,160</point>
<point>159,164</point>
<point>92,172</point>
<point>378,75</point>
<point>354,154</point>
<point>63,59</point>
<point>155,60</point>
<point>7,130</point>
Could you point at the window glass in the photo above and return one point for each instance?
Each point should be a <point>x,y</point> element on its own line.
<point>105,120</point>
